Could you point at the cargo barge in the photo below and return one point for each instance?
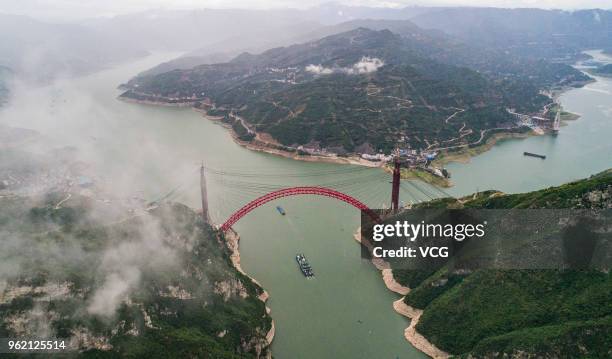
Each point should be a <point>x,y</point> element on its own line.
<point>304,265</point>
<point>534,155</point>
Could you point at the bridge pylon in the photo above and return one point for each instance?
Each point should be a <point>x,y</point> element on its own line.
<point>395,184</point>
<point>204,194</point>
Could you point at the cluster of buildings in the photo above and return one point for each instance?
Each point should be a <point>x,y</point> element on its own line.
<point>539,123</point>
<point>410,158</point>
<point>379,157</point>
<point>422,160</point>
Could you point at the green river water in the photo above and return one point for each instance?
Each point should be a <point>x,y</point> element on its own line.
<point>346,311</point>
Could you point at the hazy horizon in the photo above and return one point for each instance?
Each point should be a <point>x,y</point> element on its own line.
<point>70,10</point>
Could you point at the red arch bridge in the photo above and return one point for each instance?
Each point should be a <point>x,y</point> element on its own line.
<point>359,181</point>
<point>296,191</point>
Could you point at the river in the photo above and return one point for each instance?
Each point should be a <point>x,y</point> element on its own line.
<point>345,312</point>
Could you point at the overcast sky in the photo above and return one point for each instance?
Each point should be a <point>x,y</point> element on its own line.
<point>71,9</point>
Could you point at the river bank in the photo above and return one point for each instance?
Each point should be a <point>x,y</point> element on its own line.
<point>265,147</point>
<point>263,143</point>
<point>464,155</point>
<point>156,102</point>
<point>422,175</point>
<point>232,241</point>
<point>416,339</point>
<point>260,144</point>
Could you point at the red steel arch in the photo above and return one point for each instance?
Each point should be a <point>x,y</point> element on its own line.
<point>295,191</point>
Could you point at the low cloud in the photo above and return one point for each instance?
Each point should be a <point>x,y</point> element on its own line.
<point>319,70</point>
<point>123,265</point>
<point>114,291</point>
<point>364,66</point>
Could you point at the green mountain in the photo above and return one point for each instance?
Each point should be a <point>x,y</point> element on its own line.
<point>503,65</point>
<point>519,313</point>
<point>361,88</point>
<point>116,283</point>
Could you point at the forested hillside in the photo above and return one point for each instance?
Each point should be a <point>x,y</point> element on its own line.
<point>115,283</point>
<point>366,88</point>
<point>527,313</point>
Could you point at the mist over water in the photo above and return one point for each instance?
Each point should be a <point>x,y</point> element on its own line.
<point>84,114</point>
<point>149,151</point>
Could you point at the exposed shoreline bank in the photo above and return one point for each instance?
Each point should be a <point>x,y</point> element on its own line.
<point>259,144</point>
<point>416,339</point>
<point>155,103</point>
<point>464,155</point>
<point>232,241</point>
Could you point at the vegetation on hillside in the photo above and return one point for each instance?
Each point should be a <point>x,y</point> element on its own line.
<point>155,284</point>
<point>368,87</point>
<point>540,313</point>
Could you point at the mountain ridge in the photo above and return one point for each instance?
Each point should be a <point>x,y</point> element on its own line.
<point>380,87</point>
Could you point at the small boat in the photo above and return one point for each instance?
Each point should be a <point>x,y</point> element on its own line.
<point>280,210</point>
